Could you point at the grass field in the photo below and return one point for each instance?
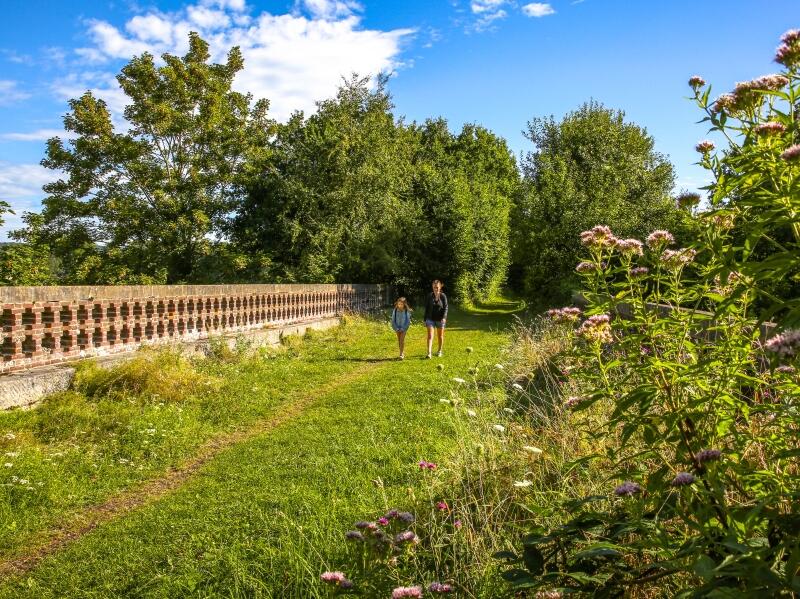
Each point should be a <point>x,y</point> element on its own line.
<point>231,477</point>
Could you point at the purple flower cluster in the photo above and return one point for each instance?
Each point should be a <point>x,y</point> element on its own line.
<point>705,146</point>
<point>402,592</point>
<point>769,128</point>
<point>596,328</point>
<point>440,588</point>
<point>354,535</point>
<point>677,258</point>
<point>659,238</point>
<point>791,153</point>
<point>683,479</point>
<point>639,272</point>
<point>584,267</point>
<point>407,536</point>
<point>696,81</point>
<point>630,246</point>
<point>572,402</point>
<point>628,489</point>
<point>707,455</point>
<point>568,314</point>
<point>786,369</point>
<point>598,237</point>
<point>337,579</point>
<point>725,102</point>
<point>788,53</point>
<point>786,344</point>
<point>425,465</point>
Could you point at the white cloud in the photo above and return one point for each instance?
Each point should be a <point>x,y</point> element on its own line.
<point>10,93</point>
<point>483,6</point>
<point>38,135</point>
<point>290,59</point>
<point>538,9</point>
<point>19,182</point>
<point>487,12</point>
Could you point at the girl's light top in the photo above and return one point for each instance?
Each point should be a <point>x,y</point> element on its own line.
<point>401,319</point>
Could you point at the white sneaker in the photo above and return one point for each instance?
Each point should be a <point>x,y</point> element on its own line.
<point>428,357</point>
<point>402,356</point>
<point>439,354</point>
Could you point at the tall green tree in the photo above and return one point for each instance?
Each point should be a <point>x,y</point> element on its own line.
<point>145,205</point>
<point>590,168</point>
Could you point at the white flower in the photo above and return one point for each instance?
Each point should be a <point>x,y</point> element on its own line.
<point>9,436</point>
<point>509,410</point>
<point>518,387</point>
<point>522,483</point>
<point>447,401</point>
<point>24,481</point>
<point>459,380</point>
<point>532,449</point>
<point>499,367</point>
<point>8,465</point>
<point>471,413</point>
<point>499,428</point>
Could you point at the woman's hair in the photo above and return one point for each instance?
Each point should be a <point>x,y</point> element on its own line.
<point>437,282</point>
<point>401,303</point>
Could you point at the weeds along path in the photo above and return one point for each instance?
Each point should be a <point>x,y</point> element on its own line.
<point>259,513</point>
<point>81,523</point>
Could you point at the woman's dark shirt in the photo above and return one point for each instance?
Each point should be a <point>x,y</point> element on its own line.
<point>436,309</point>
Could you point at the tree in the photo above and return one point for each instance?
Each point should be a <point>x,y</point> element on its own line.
<point>144,206</point>
<point>590,168</point>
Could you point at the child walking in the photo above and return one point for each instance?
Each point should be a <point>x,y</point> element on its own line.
<point>401,320</point>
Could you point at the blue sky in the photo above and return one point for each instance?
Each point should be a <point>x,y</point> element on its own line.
<point>495,62</point>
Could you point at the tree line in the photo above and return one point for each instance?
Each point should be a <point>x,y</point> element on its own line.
<point>205,187</point>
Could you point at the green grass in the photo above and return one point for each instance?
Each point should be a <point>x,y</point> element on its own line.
<point>266,515</point>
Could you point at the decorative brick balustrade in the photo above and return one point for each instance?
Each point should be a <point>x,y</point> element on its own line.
<point>47,325</point>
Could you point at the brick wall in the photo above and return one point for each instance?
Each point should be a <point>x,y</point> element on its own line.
<point>47,325</point>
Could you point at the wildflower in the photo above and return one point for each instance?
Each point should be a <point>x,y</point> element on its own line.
<point>472,413</point>
<point>362,524</point>
<point>639,272</point>
<point>354,535</point>
<point>682,479</point>
<point>628,489</point>
<point>549,595</point>
<point>440,587</point>
<point>788,53</point>
<point>568,314</point>
<point>499,367</point>
<point>705,146</point>
<point>584,267</point>
<point>769,128</point>
<point>707,455</point>
<point>457,524</point>
<point>458,380</point>
<point>659,238</point>
<point>383,521</point>
<point>785,344</point>
<point>401,592</point>
<point>792,153</point>
<point>677,258</point>
<point>532,450</point>
<point>596,328</point>
<point>333,577</point>
<point>598,237</point>
<point>392,514</point>
<point>723,221</point>
<point>346,584</point>
<point>499,428</point>
<point>442,506</point>
<point>423,465</point>
<point>572,402</point>
<point>724,102</point>
<point>407,536</point>
<point>786,369</point>
<point>518,387</point>
<point>406,517</point>
<point>630,247</point>
<point>696,81</point>
<point>522,483</point>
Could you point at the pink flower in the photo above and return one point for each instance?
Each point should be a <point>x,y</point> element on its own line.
<point>333,577</point>
<point>785,344</point>
<point>572,402</point>
<point>424,465</point>
<point>567,314</point>
<point>401,592</point>
<point>596,328</point>
<point>792,153</point>
<point>705,146</point>
<point>677,258</point>
<point>659,238</point>
<point>598,237</point>
<point>696,81</point>
<point>383,521</point>
<point>639,271</point>
<point>769,128</point>
<point>788,53</point>
<point>442,506</point>
<point>440,587</point>
<point>724,102</point>
<point>586,267</point>
<point>457,524</point>
<point>630,246</point>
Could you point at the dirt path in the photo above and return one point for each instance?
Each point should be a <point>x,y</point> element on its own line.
<point>83,522</point>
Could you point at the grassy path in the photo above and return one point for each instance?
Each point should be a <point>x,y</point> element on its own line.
<point>257,512</point>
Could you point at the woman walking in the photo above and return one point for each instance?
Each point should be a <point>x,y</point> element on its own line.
<point>436,316</point>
